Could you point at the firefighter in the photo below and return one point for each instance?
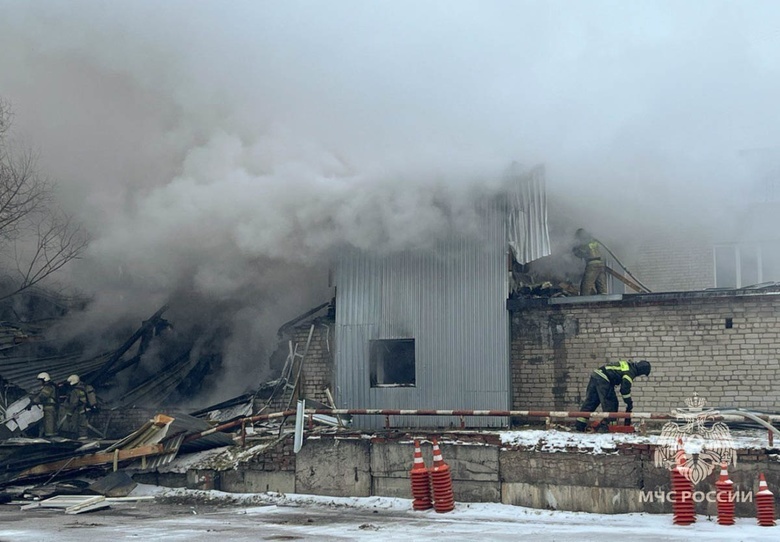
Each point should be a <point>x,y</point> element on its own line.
<point>594,278</point>
<point>47,398</point>
<point>601,388</point>
<point>81,401</point>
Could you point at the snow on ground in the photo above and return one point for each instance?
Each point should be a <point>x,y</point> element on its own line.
<point>473,521</point>
<point>194,516</point>
<point>553,440</point>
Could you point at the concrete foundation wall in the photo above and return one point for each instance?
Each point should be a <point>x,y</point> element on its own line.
<point>482,471</point>
<point>724,348</point>
<point>337,467</point>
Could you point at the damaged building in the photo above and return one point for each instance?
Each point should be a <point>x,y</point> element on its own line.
<point>473,322</point>
<point>454,328</point>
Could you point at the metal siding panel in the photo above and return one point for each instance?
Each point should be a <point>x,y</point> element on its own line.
<point>452,301</point>
<point>527,226</point>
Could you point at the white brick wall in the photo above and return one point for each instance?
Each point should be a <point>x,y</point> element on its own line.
<point>686,340</point>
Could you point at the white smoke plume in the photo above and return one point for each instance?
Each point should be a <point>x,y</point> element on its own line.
<point>219,152</point>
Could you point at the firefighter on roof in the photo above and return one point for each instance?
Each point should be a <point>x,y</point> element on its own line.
<point>601,387</point>
<point>81,401</point>
<point>47,398</point>
<point>594,278</point>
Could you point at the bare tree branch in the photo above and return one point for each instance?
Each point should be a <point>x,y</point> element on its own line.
<point>58,241</point>
<point>5,118</point>
<point>35,237</point>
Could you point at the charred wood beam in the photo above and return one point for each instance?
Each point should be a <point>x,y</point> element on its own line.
<point>127,363</point>
<point>159,386</point>
<point>104,371</point>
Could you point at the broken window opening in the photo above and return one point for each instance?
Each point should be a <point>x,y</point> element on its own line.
<point>392,363</point>
<point>742,265</point>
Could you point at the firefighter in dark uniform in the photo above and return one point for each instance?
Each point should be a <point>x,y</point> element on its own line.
<point>601,387</point>
<point>78,406</point>
<point>48,399</point>
<point>594,278</point>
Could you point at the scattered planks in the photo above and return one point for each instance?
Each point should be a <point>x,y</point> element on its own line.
<point>103,458</point>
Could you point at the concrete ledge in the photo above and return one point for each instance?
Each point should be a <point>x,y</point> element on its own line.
<point>204,479</point>
<point>600,500</point>
<point>464,491</point>
<point>165,479</point>
<point>253,481</point>
<point>574,468</point>
<point>619,481</point>
<point>472,463</point>
<point>337,467</point>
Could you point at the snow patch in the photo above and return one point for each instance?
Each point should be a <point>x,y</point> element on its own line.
<point>554,440</point>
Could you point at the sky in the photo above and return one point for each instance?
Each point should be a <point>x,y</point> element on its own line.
<point>220,153</point>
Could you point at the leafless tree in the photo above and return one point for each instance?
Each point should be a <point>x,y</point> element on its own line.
<point>36,238</point>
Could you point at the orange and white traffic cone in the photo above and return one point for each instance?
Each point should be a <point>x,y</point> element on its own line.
<point>724,497</point>
<point>441,478</point>
<point>765,504</point>
<point>682,490</point>
<point>421,481</point>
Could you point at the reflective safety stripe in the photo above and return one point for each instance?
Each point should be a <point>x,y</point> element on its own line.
<point>602,375</point>
<point>622,366</point>
<point>626,396</point>
<point>631,380</point>
<point>593,249</point>
<point>583,420</point>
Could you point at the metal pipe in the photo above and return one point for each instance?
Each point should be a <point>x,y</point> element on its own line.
<point>762,419</point>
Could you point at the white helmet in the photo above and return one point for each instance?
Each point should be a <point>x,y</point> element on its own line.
<point>44,376</point>
<point>73,380</point>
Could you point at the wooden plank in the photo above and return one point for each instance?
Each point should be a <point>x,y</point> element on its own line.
<point>628,282</point>
<point>93,459</point>
<point>92,504</point>
<point>64,501</point>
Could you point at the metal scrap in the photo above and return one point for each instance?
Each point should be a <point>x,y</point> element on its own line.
<point>73,504</point>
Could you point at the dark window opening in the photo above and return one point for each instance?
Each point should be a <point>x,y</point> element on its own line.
<point>392,363</point>
<point>729,323</point>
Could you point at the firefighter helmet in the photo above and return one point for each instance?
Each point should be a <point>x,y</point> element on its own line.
<point>643,367</point>
<point>44,376</point>
<point>73,380</point>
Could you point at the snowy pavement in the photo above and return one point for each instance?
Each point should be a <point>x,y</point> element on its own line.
<point>180,515</point>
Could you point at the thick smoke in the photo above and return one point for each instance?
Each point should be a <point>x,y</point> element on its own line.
<point>220,153</point>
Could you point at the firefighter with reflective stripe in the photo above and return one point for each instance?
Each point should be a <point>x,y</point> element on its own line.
<point>602,383</point>
<point>594,278</point>
<point>49,401</point>
<point>78,406</point>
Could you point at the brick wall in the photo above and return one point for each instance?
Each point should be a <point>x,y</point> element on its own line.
<point>675,264</point>
<point>277,457</point>
<point>317,372</point>
<point>555,348</point>
<point>318,365</point>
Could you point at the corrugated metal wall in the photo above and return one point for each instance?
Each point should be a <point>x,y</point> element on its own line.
<point>452,301</point>
<point>527,226</point>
